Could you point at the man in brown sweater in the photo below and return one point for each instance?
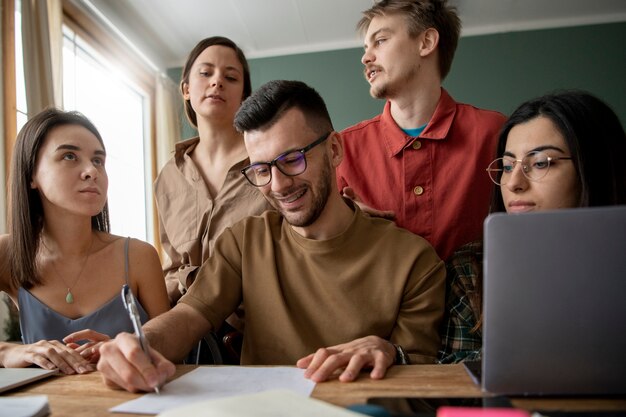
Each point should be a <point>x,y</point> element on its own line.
<point>317,275</point>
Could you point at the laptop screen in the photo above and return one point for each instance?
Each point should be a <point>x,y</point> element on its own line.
<point>555,302</point>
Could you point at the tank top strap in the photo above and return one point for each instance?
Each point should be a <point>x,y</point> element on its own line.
<point>126,243</point>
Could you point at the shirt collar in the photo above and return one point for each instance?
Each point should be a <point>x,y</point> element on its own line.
<point>395,140</point>
<point>184,148</point>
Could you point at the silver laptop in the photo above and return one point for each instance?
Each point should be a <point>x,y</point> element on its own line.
<point>11,378</point>
<point>555,302</point>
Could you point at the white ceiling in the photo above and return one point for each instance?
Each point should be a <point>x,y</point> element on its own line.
<point>166,30</point>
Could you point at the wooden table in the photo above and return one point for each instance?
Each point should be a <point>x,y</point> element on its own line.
<point>86,395</point>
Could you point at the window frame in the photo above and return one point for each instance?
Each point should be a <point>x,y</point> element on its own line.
<point>9,109</point>
<point>112,48</point>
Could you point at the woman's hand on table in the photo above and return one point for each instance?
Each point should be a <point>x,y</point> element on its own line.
<point>47,354</point>
<point>90,351</point>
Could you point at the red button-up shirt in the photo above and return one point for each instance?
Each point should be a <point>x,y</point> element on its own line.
<point>436,184</point>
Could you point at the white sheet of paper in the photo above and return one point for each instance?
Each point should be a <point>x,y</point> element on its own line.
<point>206,383</point>
<point>276,403</point>
<point>28,406</point>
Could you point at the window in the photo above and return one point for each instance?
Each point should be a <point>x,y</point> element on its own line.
<point>20,90</point>
<point>118,108</point>
<point>117,98</point>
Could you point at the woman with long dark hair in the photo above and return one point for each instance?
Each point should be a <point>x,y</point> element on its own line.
<point>558,151</point>
<point>59,263</point>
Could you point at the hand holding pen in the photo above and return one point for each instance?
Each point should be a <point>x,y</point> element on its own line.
<point>131,307</point>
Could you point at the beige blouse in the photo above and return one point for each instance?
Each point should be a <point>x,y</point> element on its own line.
<point>190,219</point>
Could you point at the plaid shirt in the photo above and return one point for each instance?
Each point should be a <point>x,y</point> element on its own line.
<point>458,341</point>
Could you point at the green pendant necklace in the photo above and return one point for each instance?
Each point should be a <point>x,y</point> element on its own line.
<point>69,297</point>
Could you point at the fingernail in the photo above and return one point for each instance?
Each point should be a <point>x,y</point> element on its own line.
<point>152,380</point>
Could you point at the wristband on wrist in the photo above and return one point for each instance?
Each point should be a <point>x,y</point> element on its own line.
<point>401,357</point>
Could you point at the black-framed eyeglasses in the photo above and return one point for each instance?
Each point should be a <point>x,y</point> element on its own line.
<point>535,166</point>
<point>290,163</point>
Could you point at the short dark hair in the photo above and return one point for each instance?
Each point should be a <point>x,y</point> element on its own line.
<point>267,104</point>
<point>26,209</point>
<point>193,55</point>
<point>421,15</point>
<point>594,136</point>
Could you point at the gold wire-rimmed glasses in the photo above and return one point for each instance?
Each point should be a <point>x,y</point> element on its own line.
<point>535,166</point>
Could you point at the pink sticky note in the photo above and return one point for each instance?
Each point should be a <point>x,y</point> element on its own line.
<point>480,412</point>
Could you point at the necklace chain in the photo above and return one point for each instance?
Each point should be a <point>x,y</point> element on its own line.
<point>69,297</point>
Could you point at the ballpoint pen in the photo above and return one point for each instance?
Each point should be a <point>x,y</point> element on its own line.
<point>133,313</point>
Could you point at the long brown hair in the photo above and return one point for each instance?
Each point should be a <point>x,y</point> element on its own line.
<point>594,135</point>
<point>26,209</point>
<point>596,141</point>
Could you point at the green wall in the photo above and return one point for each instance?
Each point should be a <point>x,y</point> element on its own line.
<point>491,71</point>
<point>501,71</point>
<point>336,75</point>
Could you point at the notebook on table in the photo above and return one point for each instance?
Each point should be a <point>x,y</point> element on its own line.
<point>11,378</point>
<point>555,302</point>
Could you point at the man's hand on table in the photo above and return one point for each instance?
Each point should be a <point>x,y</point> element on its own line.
<point>123,364</point>
<point>367,352</point>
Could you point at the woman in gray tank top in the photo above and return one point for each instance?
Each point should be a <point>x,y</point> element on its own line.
<point>59,264</point>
